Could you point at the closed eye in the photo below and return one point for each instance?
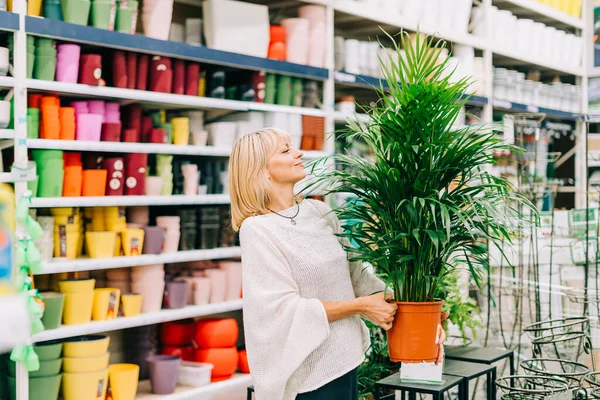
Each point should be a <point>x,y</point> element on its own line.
<point>286,151</point>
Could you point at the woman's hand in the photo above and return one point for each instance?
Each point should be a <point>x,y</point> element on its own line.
<point>441,340</point>
<point>378,310</point>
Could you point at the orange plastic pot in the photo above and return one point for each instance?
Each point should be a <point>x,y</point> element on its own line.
<point>412,338</point>
<point>225,361</point>
<point>67,123</point>
<point>243,362</point>
<point>216,333</point>
<point>72,181</point>
<point>94,182</point>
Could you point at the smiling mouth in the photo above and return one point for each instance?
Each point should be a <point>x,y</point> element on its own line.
<point>300,165</point>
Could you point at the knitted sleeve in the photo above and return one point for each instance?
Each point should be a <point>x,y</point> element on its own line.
<point>364,282</point>
<point>281,327</point>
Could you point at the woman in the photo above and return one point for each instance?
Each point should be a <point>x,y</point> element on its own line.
<point>302,298</point>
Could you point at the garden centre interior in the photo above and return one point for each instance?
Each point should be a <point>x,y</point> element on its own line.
<point>121,273</point>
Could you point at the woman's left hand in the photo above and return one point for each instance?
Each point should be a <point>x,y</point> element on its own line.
<point>441,340</point>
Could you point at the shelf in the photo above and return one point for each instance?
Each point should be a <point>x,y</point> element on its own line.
<point>166,100</point>
<point>382,18</point>
<point>128,201</point>
<point>7,82</point>
<point>149,148</point>
<point>9,21</point>
<point>511,58</point>
<point>59,266</point>
<point>7,134</point>
<point>139,320</point>
<point>540,13</point>
<point>140,43</point>
<point>241,381</point>
<point>342,118</point>
<point>122,147</point>
<point>516,107</point>
<point>369,82</point>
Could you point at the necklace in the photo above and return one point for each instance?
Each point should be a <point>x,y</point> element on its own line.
<point>292,220</point>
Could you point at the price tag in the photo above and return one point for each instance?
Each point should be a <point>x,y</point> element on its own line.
<point>344,77</point>
<point>533,109</point>
<point>503,104</point>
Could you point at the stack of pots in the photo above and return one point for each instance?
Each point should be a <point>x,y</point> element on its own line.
<point>119,278</point>
<point>176,294</point>
<point>67,67</point>
<point>135,174</point>
<point>68,233</point>
<point>90,69</point>
<point>176,339</point>
<point>33,123</point>
<point>198,289</point>
<point>53,10</point>
<point>210,226</point>
<point>85,368</point>
<point>181,131</point>
<point>76,11</point>
<point>164,169</point>
<point>45,59</point>
<point>216,340</point>
<point>30,52</point>
<point>156,18</point>
<point>233,272</point>
<point>106,304</point>
<point>149,281</point>
<point>44,384</point>
<point>79,299</point>
<point>188,228</point>
<point>316,15</point>
<point>171,225</point>
<point>139,344</point>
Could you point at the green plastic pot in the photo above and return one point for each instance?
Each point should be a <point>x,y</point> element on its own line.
<point>168,127</point>
<point>44,68</point>
<point>33,185</point>
<point>30,64</point>
<point>48,350</point>
<point>45,52</point>
<point>47,368</point>
<point>76,11</point>
<point>53,310</point>
<point>51,183</point>
<point>124,21</point>
<point>101,13</point>
<point>42,156</point>
<point>45,388</point>
<point>41,43</point>
<point>33,127</point>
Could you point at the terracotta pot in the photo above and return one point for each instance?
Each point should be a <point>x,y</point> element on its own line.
<point>413,333</point>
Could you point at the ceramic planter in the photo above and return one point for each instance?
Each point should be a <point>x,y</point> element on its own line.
<point>412,338</point>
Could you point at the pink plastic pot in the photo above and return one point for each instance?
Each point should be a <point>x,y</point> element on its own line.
<point>67,71</point>
<point>218,285</point>
<point>171,241</point>
<point>201,290</point>
<point>139,215</point>
<point>152,294</point>
<point>89,127</point>
<point>233,271</point>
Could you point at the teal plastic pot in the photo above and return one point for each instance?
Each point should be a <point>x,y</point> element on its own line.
<point>76,11</point>
<point>47,368</point>
<point>101,13</point>
<point>45,388</point>
<point>53,10</point>
<point>44,68</point>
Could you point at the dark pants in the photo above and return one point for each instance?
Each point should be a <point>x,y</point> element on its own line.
<point>343,388</point>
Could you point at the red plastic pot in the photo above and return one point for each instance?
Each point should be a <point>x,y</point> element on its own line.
<point>243,362</point>
<point>225,361</point>
<point>216,333</point>
<point>177,333</point>
<point>187,353</point>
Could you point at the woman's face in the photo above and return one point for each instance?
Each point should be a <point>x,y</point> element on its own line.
<point>285,165</point>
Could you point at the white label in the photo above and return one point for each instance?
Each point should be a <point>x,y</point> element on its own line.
<point>423,372</point>
<point>344,77</point>
<point>533,109</point>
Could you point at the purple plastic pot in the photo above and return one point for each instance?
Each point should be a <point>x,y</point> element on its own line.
<point>164,372</point>
<point>177,294</point>
<point>154,238</point>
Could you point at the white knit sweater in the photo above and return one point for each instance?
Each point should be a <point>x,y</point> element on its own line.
<point>288,270</point>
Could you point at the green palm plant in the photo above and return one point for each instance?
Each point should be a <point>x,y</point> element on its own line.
<point>424,201</point>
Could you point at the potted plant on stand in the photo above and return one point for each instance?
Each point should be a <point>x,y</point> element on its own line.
<point>424,202</point>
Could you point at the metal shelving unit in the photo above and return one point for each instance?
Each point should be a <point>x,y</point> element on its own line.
<point>368,19</point>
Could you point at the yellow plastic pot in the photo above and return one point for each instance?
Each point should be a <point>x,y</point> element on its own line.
<point>106,304</point>
<point>115,224</point>
<point>78,308</point>
<point>86,346</point>
<point>86,364</point>
<point>100,244</point>
<point>67,220</point>
<point>34,7</point>
<point>132,241</point>
<point>72,243</point>
<point>85,386</point>
<point>63,211</point>
<point>124,380</point>
<point>131,304</point>
<point>118,245</point>
<point>74,285</point>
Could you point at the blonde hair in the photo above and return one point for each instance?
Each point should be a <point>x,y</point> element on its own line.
<point>249,186</point>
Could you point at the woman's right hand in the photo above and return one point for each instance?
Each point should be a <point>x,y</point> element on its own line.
<point>378,310</point>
